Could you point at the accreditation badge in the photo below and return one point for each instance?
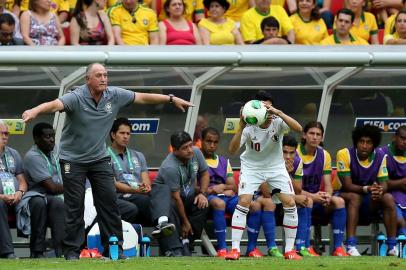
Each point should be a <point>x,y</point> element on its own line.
<point>130,179</point>
<point>7,183</point>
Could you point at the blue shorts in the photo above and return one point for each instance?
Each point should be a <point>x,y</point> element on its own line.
<point>231,202</point>
<point>401,213</point>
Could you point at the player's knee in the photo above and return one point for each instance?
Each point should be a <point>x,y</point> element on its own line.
<point>217,204</point>
<point>338,202</point>
<point>289,202</point>
<point>245,200</point>
<point>255,206</point>
<point>388,201</point>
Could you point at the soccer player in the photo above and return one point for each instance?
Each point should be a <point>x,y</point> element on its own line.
<point>262,161</point>
<point>363,174</point>
<point>317,168</point>
<point>222,190</point>
<point>396,164</point>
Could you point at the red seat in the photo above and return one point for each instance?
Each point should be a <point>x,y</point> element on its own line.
<point>381,35</point>
<point>336,5</point>
<point>66,32</point>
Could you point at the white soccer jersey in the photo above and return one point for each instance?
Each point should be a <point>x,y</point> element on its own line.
<point>263,147</point>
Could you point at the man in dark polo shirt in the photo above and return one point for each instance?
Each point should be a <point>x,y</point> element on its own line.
<point>90,111</point>
<point>43,175</point>
<point>179,171</point>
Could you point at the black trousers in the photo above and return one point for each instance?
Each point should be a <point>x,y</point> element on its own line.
<point>163,205</point>
<point>6,242</point>
<point>135,208</point>
<point>100,175</point>
<point>43,214</point>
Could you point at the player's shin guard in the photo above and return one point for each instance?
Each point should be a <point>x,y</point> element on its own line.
<point>302,229</point>
<point>238,225</point>
<point>220,228</point>
<point>290,221</point>
<point>253,226</point>
<point>338,223</point>
<point>268,225</point>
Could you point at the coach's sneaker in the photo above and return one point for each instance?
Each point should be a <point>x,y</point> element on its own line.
<point>340,252</point>
<point>163,229</point>
<point>313,252</point>
<point>353,251</point>
<point>222,252</point>
<point>304,252</point>
<point>393,252</point>
<point>233,254</point>
<point>255,253</point>
<point>274,252</point>
<point>292,255</point>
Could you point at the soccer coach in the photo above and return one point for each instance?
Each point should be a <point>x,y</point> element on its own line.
<point>90,112</point>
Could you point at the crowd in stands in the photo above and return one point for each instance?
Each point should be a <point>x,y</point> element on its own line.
<point>196,22</point>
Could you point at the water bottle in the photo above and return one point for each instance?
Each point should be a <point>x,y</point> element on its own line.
<point>382,246</point>
<point>401,245</point>
<point>145,246</point>
<point>113,247</point>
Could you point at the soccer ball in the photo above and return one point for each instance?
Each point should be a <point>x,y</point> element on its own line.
<point>254,113</point>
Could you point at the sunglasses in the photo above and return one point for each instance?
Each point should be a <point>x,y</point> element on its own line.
<point>5,133</point>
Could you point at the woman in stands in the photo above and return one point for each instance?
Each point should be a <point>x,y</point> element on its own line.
<point>310,28</point>
<point>364,25</point>
<point>39,26</point>
<point>398,35</point>
<point>90,24</point>
<point>217,29</point>
<point>176,30</point>
<point>317,169</point>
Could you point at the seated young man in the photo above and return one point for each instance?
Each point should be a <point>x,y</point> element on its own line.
<point>270,30</point>
<point>363,174</point>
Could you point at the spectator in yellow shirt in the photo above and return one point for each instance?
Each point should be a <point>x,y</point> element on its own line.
<point>237,9</point>
<point>398,36</point>
<point>364,25</point>
<point>310,28</point>
<point>270,30</point>
<point>217,29</point>
<point>134,24</point>
<point>342,35</point>
<point>390,22</point>
<point>252,18</point>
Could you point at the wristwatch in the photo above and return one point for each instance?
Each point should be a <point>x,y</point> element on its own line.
<point>171,98</point>
<point>204,194</point>
<point>22,192</point>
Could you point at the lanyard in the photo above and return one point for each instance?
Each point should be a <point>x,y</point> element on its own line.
<point>50,168</point>
<point>185,179</point>
<point>6,158</point>
<point>117,162</point>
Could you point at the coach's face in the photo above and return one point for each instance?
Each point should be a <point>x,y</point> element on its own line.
<point>97,78</point>
<point>185,152</point>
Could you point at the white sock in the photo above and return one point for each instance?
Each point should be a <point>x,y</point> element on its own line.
<point>238,225</point>
<point>290,221</point>
<point>162,219</point>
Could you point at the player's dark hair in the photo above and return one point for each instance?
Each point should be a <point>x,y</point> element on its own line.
<point>372,132</point>
<point>210,130</point>
<point>263,96</point>
<point>180,138</point>
<point>116,125</point>
<point>313,124</point>
<point>397,133</point>
<point>39,128</point>
<point>289,140</point>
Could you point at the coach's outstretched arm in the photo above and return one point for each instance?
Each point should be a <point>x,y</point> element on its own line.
<point>47,107</point>
<point>145,98</point>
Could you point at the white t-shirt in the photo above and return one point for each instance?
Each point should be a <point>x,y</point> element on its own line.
<point>263,147</point>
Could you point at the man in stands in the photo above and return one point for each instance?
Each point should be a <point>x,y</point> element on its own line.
<point>44,178</point>
<point>7,29</point>
<point>222,189</point>
<point>396,164</point>
<point>363,174</point>
<point>131,172</point>
<point>179,172</point>
<point>13,187</point>
<point>341,36</point>
<point>133,24</point>
<point>270,30</point>
<point>252,18</point>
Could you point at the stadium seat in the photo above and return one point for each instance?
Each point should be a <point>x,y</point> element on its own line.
<point>381,35</point>
<point>336,5</point>
<point>66,32</point>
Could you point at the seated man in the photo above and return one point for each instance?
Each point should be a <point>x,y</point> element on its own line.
<point>222,188</point>
<point>270,30</point>
<point>131,173</point>
<point>396,164</point>
<point>179,172</point>
<point>44,176</point>
<point>7,27</point>
<point>13,187</point>
<point>133,24</point>
<point>363,174</point>
<point>252,18</point>
<point>341,36</point>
